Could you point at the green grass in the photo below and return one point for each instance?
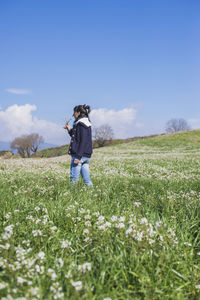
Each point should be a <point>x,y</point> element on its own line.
<point>138,228</point>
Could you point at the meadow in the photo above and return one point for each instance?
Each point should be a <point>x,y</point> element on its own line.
<point>134,235</point>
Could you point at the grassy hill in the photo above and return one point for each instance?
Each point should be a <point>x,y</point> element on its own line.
<point>62,150</point>
<point>188,139</point>
<point>134,235</point>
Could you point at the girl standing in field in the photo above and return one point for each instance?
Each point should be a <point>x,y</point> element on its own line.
<point>80,147</point>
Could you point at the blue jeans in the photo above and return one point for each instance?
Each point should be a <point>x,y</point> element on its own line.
<point>83,168</point>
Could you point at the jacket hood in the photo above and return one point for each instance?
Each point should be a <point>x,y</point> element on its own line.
<point>84,121</point>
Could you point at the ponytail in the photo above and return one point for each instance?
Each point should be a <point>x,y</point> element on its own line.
<point>83,109</point>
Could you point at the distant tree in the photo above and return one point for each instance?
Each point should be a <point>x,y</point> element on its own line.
<point>27,143</point>
<point>102,134</point>
<point>35,140</point>
<point>19,145</point>
<point>176,125</point>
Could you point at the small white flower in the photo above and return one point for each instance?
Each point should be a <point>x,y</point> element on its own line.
<point>120,225</point>
<point>7,216</point>
<point>197,287</point>
<point>77,285</point>
<point>39,269</point>
<point>144,221</point>
<point>59,263</point>
<point>68,275</point>
<point>158,224</point>
<point>87,217</point>
<point>53,229</point>
<point>34,291</point>
<point>87,239</point>
<point>101,219</point>
<point>20,280</point>
<point>53,276</point>
<point>85,267</point>
<point>41,255</point>
<point>114,218</point>
<point>6,246</point>
<point>37,232</point>
<point>187,244</point>
<point>86,231</point>
<point>50,271</point>
<point>129,230</point>
<point>65,244</point>
<point>9,229</point>
<point>137,204</point>
<point>107,224</point>
<point>3,285</point>
<point>88,224</point>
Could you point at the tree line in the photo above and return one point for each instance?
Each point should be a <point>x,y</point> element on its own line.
<point>28,144</point>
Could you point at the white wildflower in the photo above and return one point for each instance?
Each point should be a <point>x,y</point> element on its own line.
<point>88,224</point>
<point>114,218</point>
<point>65,244</point>
<point>158,224</point>
<point>144,221</point>
<point>120,225</point>
<point>197,287</point>
<point>85,267</point>
<point>86,231</point>
<point>53,229</point>
<point>187,244</point>
<point>101,219</point>
<point>3,285</point>
<point>20,280</point>
<point>41,255</point>
<point>77,285</point>
<point>87,217</point>
<point>129,230</point>
<point>59,263</point>
<point>53,276</point>
<point>37,232</point>
<point>7,216</point>
<point>34,291</point>
<point>6,246</point>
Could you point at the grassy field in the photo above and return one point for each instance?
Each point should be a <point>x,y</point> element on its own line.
<point>135,235</point>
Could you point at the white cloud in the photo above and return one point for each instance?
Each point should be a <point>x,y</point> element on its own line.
<point>19,91</point>
<point>121,121</point>
<point>17,120</point>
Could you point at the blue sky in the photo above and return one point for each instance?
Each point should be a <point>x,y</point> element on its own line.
<point>137,63</point>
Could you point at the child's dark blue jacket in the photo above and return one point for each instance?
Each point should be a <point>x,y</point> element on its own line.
<point>81,138</point>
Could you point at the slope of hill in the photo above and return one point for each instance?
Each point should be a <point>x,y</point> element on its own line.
<point>62,150</point>
<point>182,142</point>
<point>188,139</point>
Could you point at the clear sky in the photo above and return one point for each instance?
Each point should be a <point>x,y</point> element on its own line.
<point>137,63</point>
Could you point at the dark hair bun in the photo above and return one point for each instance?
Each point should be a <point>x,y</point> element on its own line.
<point>87,108</point>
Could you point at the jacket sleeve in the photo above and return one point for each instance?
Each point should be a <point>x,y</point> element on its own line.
<point>82,137</point>
<point>70,131</point>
